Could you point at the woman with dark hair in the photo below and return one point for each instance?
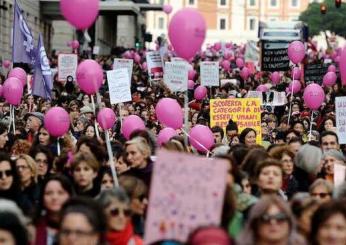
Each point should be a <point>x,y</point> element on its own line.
<point>251,160</point>
<point>90,131</point>
<point>9,182</point>
<point>82,222</point>
<point>328,124</point>
<point>92,145</point>
<point>56,190</point>
<point>328,224</point>
<point>270,222</point>
<point>3,136</point>
<point>44,160</point>
<point>248,137</point>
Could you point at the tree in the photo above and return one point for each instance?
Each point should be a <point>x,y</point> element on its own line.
<point>334,20</point>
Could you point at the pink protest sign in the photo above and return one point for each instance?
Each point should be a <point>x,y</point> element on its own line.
<point>186,192</point>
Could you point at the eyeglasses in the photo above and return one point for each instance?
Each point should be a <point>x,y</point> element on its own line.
<point>116,211</point>
<point>6,173</point>
<point>322,195</point>
<point>279,218</point>
<point>77,233</point>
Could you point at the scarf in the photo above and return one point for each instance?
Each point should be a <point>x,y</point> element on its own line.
<point>120,237</point>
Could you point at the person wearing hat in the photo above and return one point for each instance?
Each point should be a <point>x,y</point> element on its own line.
<point>87,112</point>
<point>33,122</point>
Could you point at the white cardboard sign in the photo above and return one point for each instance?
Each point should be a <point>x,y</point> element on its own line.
<point>67,66</point>
<point>119,85</point>
<point>210,73</point>
<point>176,76</point>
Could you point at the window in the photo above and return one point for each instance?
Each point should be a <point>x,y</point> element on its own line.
<point>191,2</point>
<point>223,2</point>
<point>161,23</point>
<point>273,3</point>
<point>252,3</point>
<point>252,24</point>
<point>295,3</point>
<point>222,25</point>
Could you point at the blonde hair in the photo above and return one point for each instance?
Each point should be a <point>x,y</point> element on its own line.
<point>86,157</point>
<point>141,144</point>
<point>31,164</point>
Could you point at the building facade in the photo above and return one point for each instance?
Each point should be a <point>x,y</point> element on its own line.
<point>230,20</point>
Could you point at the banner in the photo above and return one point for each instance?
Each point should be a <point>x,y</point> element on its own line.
<point>67,66</point>
<point>315,72</point>
<point>245,112</point>
<point>124,63</point>
<point>176,76</point>
<point>210,73</point>
<point>154,63</point>
<point>274,56</point>
<point>340,112</point>
<point>119,85</point>
<point>186,192</point>
<point>271,98</point>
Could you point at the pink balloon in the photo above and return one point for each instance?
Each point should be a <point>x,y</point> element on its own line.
<point>262,88</point>
<point>6,64</point>
<point>165,135</point>
<point>190,84</point>
<point>275,77</point>
<point>89,76</point>
<point>295,85</point>
<point>227,55</point>
<point>187,31</point>
<point>167,8</point>
<point>80,13</point>
<point>342,66</point>
<point>239,62</point>
<point>313,96</point>
<point>127,55</point>
<point>228,45</point>
<point>57,121</point>
<point>226,65</point>
<point>201,138</point>
<point>245,73</point>
<point>13,90</point>
<point>137,58</point>
<point>106,118</point>
<point>19,73</point>
<point>200,92</point>
<point>296,51</point>
<point>329,79</point>
<point>217,47</point>
<point>131,124</point>
<point>192,74</point>
<point>296,73</point>
<point>331,68</point>
<point>169,113</point>
<point>75,44</point>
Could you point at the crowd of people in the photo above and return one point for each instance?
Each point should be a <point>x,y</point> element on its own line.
<point>279,192</point>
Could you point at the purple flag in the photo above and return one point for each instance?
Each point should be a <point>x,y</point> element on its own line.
<point>23,42</point>
<point>42,83</point>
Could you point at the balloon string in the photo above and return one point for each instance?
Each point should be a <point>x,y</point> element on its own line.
<point>290,108</point>
<point>10,124</point>
<point>14,120</point>
<point>311,120</point>
<point>58,147</point>
<point>186,115</point>
<point>111,161</point>
<point>94,109</point>
<point>189,136</point>
<point>120,116</point>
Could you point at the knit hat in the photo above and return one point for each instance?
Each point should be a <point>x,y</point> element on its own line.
<point>334,153</point>
<point>210,235</point>
<point>38,115</point>
<point>86,109</point>
<point>308,158</point>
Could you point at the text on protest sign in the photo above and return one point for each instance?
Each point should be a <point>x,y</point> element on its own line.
<point>154,64</point>
<point>119,85</point>
<point>245,112</point>
<point>175,76</point>
<point>67,66</point>
<point>186,192</point>
<point>315,72</point>
<point>210,73</point>
<point>124,63</point>
<point>340,111</point>
<point>275,56</point>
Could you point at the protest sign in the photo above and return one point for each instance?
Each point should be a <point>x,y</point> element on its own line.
<point>186,193</point>
<point>119,85</point>
<point>274,56</point>
<point>339,174</point>
<point>340,112</point>
<point>210,73</point>
<point>251,52</point>
<point>223,82</point>
<point>154,63</point>
<point>315,72</point>
<point>67,66</point>
<point>124,63</point>
<point>271,98</point>
<point>245,112</point>
<point>176,76</point>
